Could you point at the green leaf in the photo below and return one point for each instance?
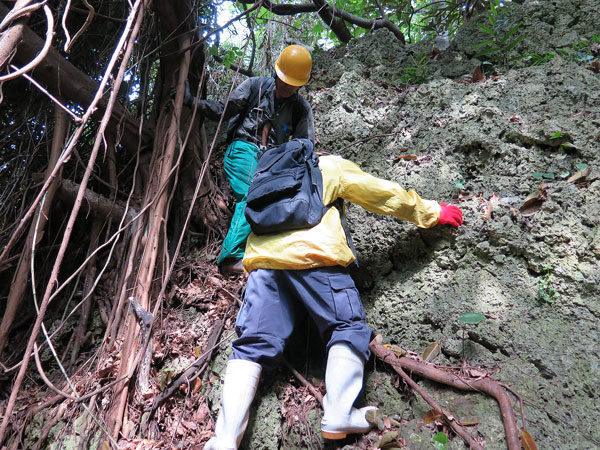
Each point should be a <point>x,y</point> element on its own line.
<point>514,43</point>
<point>493,9</point>
<point>581,166</point>
<point>563,52</point>
<point>471,317</point>
<point>440,437</point>
<point>556,135</point>
<point>492,19</point>
<point>483,44</point>
<point>489,51</point>
<point>509,33</point>
<point>549,176</point>
<point>485,29</point>
<point>538,175</point>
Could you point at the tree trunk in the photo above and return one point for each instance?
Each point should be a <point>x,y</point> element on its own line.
<point>158,192</point>
<point>36,231</point>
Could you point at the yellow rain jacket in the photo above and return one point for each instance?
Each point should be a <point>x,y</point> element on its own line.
<point>325,244</point>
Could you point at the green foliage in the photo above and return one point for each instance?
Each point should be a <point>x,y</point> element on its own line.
<point>417,73</point>
<point>460,183</point>
<point>471,317</point>
<point>447,16</point>
<point>583,52</point>
<point>535,59</point>
<point>501,39</point>
<point>546,291</point>
<point>439,440</point>
<point>546,175</point>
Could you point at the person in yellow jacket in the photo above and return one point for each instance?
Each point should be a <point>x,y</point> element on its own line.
<point>306,270</point>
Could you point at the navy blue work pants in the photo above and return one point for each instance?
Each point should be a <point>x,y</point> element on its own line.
<point>275,298</point>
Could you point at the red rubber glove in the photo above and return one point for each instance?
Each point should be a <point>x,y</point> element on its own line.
<point>450,215</point>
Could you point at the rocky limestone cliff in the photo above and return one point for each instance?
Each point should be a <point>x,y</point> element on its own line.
<point>530,266</point>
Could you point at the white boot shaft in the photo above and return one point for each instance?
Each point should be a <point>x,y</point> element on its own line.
<point>239,387</point>
<point>343,381</point>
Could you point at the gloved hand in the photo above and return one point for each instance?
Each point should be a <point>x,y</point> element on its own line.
<point>188,98</point>
<point>450,215</point>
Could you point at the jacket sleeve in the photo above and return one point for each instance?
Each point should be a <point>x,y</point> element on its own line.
<point>238,100</point>
<point>375,194</point>
<point>305,128</point>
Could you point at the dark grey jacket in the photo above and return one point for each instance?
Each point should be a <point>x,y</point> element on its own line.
<point>281,117</point>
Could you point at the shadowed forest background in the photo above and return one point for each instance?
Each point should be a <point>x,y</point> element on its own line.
<point>115,323</point>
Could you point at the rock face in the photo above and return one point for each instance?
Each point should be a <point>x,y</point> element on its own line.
<point>486,146</point>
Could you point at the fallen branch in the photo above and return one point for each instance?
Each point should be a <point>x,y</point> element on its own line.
<point>313,390</point>
<point>96,203</point>
<point>192,372</point>
<point>431,372</point>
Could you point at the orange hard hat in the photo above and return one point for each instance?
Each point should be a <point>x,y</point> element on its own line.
<point>293,65</point>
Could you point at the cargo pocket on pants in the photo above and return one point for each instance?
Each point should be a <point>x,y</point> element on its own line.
<point>242,322</point>
<point>346,301</point>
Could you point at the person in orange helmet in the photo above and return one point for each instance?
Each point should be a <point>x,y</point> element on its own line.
<point>263,112</point>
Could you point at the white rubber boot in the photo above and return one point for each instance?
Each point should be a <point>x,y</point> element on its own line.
<point>239,387</point>
<point>343,381</point>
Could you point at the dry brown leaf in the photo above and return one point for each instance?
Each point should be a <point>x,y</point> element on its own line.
<point>432,351</point>
<point>579,176</point>
<point>189,425</point>
<point>494,199</point>
<point>197,385</point>
<point>477,373</point>
<point>397,350</point>
<point>469,421</point>
<point>431,416</point>
<point>528,442</point>
<point>533,202</point>
<point>388,438</point>
<point>516,119</point>
<point>594,67</point>
<point>407,157</point>
<point>387,422</point>
<point>477,75</point>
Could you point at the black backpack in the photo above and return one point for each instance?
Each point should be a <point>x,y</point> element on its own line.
<point>286,192</point>
<point>287,189</point>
